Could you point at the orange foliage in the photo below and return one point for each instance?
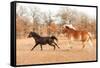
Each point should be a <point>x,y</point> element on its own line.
<point>52,27</point>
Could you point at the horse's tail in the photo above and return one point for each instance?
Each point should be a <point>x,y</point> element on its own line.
<point>53,37</point>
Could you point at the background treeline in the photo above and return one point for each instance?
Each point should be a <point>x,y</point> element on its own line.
<point>46,23</point>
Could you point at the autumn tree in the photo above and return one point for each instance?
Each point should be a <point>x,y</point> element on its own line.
<point>35,14</point>
<point>65,14</point>
<point>47,18</point>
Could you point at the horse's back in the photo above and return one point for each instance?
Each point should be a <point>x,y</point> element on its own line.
<point>79,35</point>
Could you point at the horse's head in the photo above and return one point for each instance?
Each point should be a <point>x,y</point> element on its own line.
<point>33,34</point>
<point>30,35</point>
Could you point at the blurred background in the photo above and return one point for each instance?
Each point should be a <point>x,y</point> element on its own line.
<point>49,19</point>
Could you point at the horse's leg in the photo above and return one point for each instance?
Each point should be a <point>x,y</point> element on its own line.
<point>41,47</point>
<point>52,45</point>
<point>34,46</point>
<point>86,40</point>
<point>83,44</point>
<point>56,44</point>
<point>69,43</point>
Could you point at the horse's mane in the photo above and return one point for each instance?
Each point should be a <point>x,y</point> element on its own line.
<point>34,33</point>
<point>70,28</point>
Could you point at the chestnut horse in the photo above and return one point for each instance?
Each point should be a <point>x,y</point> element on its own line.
<point>74,34</point>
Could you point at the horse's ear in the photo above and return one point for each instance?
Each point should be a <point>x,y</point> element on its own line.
<point>30,31</point>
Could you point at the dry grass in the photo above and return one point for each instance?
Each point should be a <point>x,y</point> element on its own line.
<point>48,55</point>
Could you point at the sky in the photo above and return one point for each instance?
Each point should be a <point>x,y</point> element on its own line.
<point>90,11</point>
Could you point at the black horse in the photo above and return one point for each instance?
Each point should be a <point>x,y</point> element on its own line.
<point>43,40</point>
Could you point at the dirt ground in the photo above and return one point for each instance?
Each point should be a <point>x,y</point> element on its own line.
<point>66,53</point>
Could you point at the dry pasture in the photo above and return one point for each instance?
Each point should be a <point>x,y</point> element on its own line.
<point>24,54</point>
